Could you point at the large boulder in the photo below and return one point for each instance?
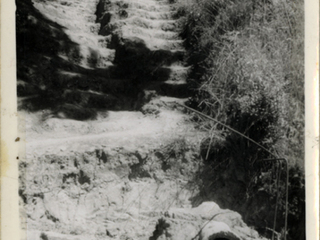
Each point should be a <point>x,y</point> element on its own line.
<point>217,230</point>
<point>206,222</point>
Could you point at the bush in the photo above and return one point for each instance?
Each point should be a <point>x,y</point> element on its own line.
<point>242,55</point>
<point>247,72</point>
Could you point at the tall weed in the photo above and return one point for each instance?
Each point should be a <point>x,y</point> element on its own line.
<point>243,53</point>
<point>247,71</point>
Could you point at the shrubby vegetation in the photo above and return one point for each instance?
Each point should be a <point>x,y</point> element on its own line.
<point>247,71</point>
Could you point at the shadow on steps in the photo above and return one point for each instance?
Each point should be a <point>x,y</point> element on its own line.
<point>53,74</point>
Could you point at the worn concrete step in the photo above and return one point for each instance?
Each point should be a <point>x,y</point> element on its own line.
<point>171,89</point>
<point>151,15</point>
<point>152,33</point>
<point>165,25</point>
<point>150,7</point>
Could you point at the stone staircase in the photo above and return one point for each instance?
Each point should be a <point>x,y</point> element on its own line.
<point>123,51</point>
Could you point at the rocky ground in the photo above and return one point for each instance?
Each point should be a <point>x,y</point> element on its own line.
<point>131,171</point>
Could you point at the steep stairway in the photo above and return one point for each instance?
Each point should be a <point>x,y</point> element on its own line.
<point>122,53</point>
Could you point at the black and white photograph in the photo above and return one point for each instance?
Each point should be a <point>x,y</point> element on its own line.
<point>161,119</point>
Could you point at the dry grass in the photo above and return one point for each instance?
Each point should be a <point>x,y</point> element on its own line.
<point>248,68</point>
<point>248,72</point>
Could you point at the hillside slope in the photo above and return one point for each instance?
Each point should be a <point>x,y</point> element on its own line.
<point>129,169</point>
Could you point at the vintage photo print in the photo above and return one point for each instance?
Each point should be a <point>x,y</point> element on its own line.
<point>160,119</point>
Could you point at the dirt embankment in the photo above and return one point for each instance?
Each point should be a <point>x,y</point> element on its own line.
<point>116,193</point>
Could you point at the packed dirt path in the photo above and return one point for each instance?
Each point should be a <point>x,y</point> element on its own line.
<point>132,171</point>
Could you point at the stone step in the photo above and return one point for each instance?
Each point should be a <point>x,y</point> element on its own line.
<point>178,73</point>
<point>154,43</point>
<point>99,83</point>
<point>171,89</point>
<point>62,63</point>
<point>150,7</point>
<point>151,40</point>
<point>152,33</point>
<point>163,74</point>
<point>134,5</point>
<point>150,15</point>
<point>165,25</point>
